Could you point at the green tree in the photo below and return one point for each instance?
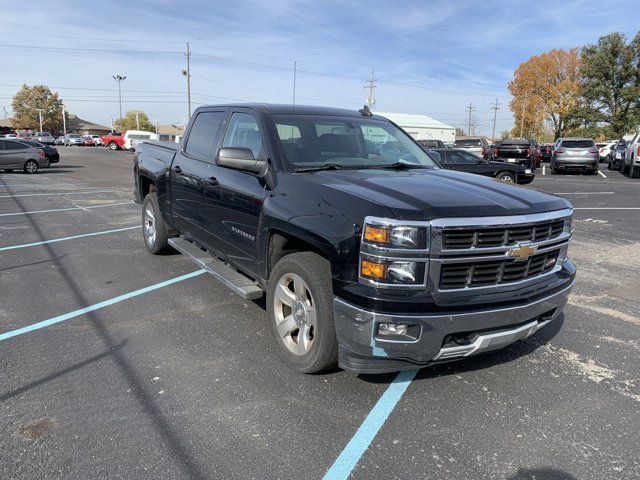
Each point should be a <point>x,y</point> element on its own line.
<point>26,104</point>
<point>135,120</point>
<point>505,134</point>
<point>610,84</point>
<point>460,132</point>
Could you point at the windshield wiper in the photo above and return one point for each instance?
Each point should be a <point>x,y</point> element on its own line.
<point>326,166</point>
<point>400,166</point>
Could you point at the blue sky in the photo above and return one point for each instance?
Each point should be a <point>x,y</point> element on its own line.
<point>431,57</point>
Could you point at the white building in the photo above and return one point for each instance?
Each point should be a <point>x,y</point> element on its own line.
<point>422,127</point>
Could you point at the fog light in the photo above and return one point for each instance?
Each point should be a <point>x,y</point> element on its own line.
<point>389,329</point>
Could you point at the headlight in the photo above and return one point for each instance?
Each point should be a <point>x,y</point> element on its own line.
<point>528,170</point>
<point>392,272</point>
<point>396,236</point>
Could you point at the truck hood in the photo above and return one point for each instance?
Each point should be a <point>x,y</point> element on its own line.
<point>426,194</point>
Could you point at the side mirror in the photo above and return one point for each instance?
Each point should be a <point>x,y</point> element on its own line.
<point>240,159</point>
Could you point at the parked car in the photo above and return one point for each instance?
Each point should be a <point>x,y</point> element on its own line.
<point>60,140</point>
<point>123,140</point>
<point>88,141</point>
<point>520,151</point>
<point>10,135</point>
<point>431,144</point>
<point>24,136</point>
<point>45,137</point>
<point>604,150</point>
<point>631,165</point>
<point>478,145</point>
<point>546,151</point>
<point>617,155</point>
<point>373,260</point>
<point>97,139</point>
<point>16,155</point>
<point>50,153</point>
<point>73,139</point>
<point>465,161</point>
<point>575,154</point>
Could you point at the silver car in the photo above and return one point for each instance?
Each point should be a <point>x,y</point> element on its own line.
<point>73,139</point>
<point>45,138</point>
<point>575,154</point>
<point>478,145</point>
<point>15,155</point>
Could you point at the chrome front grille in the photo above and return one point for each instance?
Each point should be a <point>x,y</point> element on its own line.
<point>477,254</point>
<point>485,273</point>
<point>461,238</point>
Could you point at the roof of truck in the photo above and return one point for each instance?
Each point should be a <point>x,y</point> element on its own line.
<point>289,109</point>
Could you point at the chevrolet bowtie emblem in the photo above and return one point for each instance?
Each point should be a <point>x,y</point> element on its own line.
<point>522,251</point>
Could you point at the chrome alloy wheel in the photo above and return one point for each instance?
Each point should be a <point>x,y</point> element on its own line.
<point>149,225</point>
<point>506,178</point>
<point>295,313</point>
<point>31,167</point>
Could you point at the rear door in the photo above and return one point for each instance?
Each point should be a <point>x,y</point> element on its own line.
<point>191,172</point>
<point>13,154</point>
<point>236,201</point>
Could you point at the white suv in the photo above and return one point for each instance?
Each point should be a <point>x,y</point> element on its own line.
<point>631,164</point>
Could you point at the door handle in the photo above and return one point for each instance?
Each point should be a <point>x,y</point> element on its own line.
<point>212,181</point>
<point>177,169</point>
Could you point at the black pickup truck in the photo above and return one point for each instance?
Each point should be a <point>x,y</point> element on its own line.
<point>371,256</point>
<point>521,151</point>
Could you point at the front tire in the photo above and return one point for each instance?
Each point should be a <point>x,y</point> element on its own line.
<point>300,312</point>
<point>507,177</point>
<point>30,167</point>
<point>113,146</point>
<point>634,172</point>
<point>154,229</point>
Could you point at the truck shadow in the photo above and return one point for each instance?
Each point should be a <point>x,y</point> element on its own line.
<point>545,473</point>
<point>508,354</point>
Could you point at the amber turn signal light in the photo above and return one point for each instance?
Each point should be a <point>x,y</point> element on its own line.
<point>373,269</point>
<point>376,234</point>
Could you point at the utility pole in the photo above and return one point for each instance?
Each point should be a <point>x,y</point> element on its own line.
<point>4,109</point>
<point>470,108</point>
<point>370,87</point>
<point>156,127</point>
<point>119,79</point>
<point>64,121</point>
<point>524,104</point>
<point>40,110</point>
<point>187,73</point>
<point>111,123</point>
<point>495,107</point>
<point>137,122</point>
<point>295,71</point>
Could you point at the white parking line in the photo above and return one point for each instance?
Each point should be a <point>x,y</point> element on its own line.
<point>544,169</point>
<point>606,208</point>
<point>56,240</point>
<point>64,209</point>
<point>56,193</point>
<point>583,193</point>
<point>601,174</point>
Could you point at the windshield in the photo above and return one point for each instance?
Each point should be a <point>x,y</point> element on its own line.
<point>74,136</point>
<point>310,141</point>
<point>468,142</point>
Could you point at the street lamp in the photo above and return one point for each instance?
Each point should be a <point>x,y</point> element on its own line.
<point>119,79</point>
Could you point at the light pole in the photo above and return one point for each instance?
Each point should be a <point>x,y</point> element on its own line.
<point>40,110</point>
<point>64,121</point>
<point>187,73</point>
<point>119,79</point>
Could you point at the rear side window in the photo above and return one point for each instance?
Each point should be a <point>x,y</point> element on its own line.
<point>468,142</point>
<point>204,134</point>
<point>9,145</point>
<point>578,143</point>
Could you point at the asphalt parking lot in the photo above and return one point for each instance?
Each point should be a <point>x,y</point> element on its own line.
<point>182,381</point>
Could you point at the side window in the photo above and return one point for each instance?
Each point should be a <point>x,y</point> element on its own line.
<point>243,132</point>
<point>436,156</point>
<point>458,158</point>
<point>204,134</point>
<point>14,146</point>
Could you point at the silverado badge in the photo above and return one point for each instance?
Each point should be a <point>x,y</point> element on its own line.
<point>522,251</point>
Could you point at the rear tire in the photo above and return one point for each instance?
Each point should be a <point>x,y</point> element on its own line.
<point>300,312</point>
<point>113,146</point>
<point>154,229</point>
<point>30,167</point>
<point>507,177</point>
<point>634,172</point>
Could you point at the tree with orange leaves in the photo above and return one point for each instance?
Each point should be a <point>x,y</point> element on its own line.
<point>545,88</point>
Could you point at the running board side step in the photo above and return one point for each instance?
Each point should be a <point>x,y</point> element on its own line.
<point>243,286</point>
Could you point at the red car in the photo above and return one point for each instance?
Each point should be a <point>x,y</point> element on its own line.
<point>89,142</point>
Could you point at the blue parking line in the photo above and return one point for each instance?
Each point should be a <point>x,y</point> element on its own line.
<point>55,240</point>
<point>91,308</point>
<point>64,209</point>
<point>348,459</point>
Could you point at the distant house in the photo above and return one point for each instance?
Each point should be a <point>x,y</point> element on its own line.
<point>422,127</point>
<point>6,125</point>
<point>169,133</point>
<point>76,124</point>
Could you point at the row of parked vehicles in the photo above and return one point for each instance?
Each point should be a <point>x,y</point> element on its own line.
<point>26,155</point>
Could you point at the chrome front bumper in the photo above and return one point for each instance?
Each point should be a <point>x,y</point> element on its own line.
<point>362,351</point>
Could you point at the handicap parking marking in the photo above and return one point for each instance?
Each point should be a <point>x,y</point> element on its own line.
<point>97,306</point>
<point>64,209</point>
<point>113,190</point>
<point>56,240</point>
<point>359,443</point>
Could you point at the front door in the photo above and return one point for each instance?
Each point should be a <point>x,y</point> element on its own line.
<point>237,203</point>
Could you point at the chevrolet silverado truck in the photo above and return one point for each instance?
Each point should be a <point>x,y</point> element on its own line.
<point>371,256</point>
